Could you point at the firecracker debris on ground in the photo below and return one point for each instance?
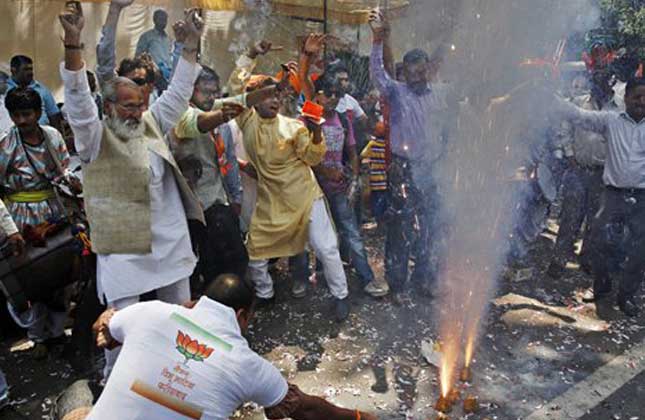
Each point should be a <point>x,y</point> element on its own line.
<point>539,340</point>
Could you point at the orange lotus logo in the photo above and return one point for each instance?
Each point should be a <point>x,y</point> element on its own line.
<point>191,349</point>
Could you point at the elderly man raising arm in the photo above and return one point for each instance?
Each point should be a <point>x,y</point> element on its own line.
<point>136,198</point>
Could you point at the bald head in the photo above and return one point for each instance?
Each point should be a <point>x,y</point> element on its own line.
<point>230,290</point>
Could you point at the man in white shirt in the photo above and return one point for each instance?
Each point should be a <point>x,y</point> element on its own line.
<point>136,198</point>
<point>192,361</point>
<point>618,229</point>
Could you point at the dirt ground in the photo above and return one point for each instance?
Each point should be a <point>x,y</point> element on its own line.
<point>540,342</point>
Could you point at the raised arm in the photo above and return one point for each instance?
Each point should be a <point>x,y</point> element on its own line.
<point>312,49</point>
<point>106,48</point>
<point>388,55</point>
<point>380,77</point>
<point>82,114</point>
<point>244,67</point>
<point>172,104</point>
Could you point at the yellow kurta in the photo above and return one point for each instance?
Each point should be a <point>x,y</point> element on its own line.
<point>282,152</point>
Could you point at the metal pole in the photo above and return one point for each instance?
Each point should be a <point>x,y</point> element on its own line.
<point>325,16</point>
<point>325,27</point>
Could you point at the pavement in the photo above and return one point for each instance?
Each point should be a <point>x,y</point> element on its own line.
<point>543,354</point>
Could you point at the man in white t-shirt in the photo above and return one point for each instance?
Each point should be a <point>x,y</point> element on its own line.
<point>347,104</point>
<point>191,361</point>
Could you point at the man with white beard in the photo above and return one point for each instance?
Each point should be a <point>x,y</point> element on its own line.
<point>136,199</point>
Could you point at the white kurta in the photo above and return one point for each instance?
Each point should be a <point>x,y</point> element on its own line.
<point>172,258</point>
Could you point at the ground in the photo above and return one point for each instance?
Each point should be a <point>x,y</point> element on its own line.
<point>542,355</point>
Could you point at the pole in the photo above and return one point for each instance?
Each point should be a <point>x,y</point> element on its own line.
<point>325,17</point>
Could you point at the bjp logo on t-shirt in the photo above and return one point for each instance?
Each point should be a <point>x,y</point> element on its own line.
<point>191,349</point>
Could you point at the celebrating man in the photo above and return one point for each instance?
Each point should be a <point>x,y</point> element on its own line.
<point>136,198</point>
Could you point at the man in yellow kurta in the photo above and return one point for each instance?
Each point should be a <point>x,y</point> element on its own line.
<point>290,209</point>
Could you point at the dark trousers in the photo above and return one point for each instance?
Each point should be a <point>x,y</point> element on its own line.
<point>219,246</point>
<point>618,241</point>
<point>581,200</point>
<point>410,220</point>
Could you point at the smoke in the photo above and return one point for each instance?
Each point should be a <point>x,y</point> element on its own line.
<point>250,26</point>
<point>489,192</point>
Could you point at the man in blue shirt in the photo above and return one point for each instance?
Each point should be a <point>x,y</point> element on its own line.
<point>22,75</point>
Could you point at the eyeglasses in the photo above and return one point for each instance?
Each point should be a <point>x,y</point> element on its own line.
<point>140,81</point>
<point>132,108</point>
<point>210,93</point>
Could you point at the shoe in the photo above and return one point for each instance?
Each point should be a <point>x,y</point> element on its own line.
<point>39,351</point>
<point>629,307</point>
<point>299,289</point>
<point>264,302</point>
<point>341,309</point>
<point>555,270</point>
<point>376,290</point>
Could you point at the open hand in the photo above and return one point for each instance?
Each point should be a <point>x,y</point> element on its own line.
<point>314,44</point>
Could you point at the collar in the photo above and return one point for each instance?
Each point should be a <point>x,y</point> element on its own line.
<point>425,91</point>
<point>626,117</point>
<point>223,312</point>
<point>13,84</point>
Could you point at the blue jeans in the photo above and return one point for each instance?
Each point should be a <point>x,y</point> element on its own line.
<point>345,220</point>
<point>412,227</point>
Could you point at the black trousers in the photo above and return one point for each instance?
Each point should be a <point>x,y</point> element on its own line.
<point>618,241</point>
<point>581,200</point>
<point>219,246</point>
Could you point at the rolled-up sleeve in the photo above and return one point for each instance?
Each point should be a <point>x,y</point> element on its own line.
<point>82,114</point>
<point>306,150</point>
<point>173,103</point>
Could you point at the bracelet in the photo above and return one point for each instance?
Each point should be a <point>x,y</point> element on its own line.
<point>74,47</point>
<point>190,50</point>
<point>358,415</point>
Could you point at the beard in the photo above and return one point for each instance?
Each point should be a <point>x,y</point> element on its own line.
<point>124,129</point>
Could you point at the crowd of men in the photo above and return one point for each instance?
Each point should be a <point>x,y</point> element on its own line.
<point>192,187</point>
